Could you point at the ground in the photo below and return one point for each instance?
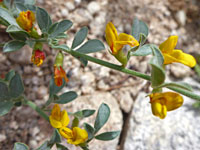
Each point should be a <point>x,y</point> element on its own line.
<point>164,18</point>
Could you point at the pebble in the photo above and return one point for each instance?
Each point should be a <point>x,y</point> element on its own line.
<point>2,137</point>
<point>70,6</point>
<point>93,7</point>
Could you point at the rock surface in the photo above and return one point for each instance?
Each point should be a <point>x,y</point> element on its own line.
<point>179,130</point>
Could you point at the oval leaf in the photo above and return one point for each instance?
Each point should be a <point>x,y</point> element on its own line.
<point>56,137</point>
<point>80,37</point>
<point>59,28</point>
<point>45,146</point>
<point>102,117</point>
<point>91,46</point>
<point>5,107</point>
<point>6,16</point>
<point>13,46</point>
<point>4,94</point>
<point>20,146</point>
<point>142,51</point>
<point>16,86</point>
<point>66,97</point>
<point>139,27</point>
<point>43,20</point>
<point>90,130</point>
<point>61,147</point>
<point>9,75</point>
<point>106,136</point>
<point>183,86</point>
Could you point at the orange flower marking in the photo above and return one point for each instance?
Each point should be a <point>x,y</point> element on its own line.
<point>59,74</point>
<point>26,20</point>
<point>38,57</point>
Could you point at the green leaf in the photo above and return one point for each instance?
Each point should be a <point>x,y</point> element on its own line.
<point>43,20</point>
<point>107,136</point>
<point>58,28</point>
<point>4,94</point>
<point>56,137</point>
<point>157,72</point>
<point>20,7</point>
<point>20,146</point>
<point>142,51</point>
<point>102,117</point>
<point>66,97</point>
<point>91,46</point>
<point>80,37</point>
<point>6,16</point>
<point>16,86</point>
<point>183,86</point>
<point>75,122</point>
<point>14,28</point>
<point>139,27</point>
<point>45,146</point>
<point>5,107</point>
<point>13,46</point>
<point>53,88</point>
<point>9,75</point>
<point>84,113</point>
<point>143,39</point>
<point>61,147</point>
<point>90,130</point>
<point>61,47</point>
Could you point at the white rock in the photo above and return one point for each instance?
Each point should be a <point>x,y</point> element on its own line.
<point>181,17</point>
<point>179,130</point>
<point>70,6</point>
<point>2,137</point>
<point>93,7</point>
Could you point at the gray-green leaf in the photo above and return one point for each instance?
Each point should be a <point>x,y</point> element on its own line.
<point>107,136</point>
<point>60,27</point>
<point>56,137</point>
<point>43,20</point>
<point>4,94</point>
<point>13,46</point>
<point>66,97</point>
<point>20,146</point>
<point>91,46</point>
<point>90,130</point>
<point>16,86</point>
<point>5,107</point>
<point>80,37</point>
<point>139,27</point>
<point>102,117</point>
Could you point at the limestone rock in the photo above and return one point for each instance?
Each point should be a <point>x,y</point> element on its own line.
<point>179,130</point>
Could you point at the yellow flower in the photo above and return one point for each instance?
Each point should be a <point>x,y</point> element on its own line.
<point>163,102</point>
<point>174,55</point>
<point>26,20</point>
<point>115,41</point>
<point>75,136</point>
<point>58,118</point>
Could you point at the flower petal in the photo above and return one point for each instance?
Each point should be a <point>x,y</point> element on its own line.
<point>111,33</point>
<point>80,136</point>
<point>124,39</point>
<point>169,45</point>
<point>159,110</point>
<point>180,57</point>
<point>173,100</point>
<point>54,123</point>
<point>64,118</point>
<point>66,132</point>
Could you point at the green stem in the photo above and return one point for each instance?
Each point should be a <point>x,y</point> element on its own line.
<point>36,108</point>
<point>109,65</point>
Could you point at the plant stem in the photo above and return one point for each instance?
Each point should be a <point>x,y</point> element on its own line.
<point>109,65</point>
<point>36,108</point>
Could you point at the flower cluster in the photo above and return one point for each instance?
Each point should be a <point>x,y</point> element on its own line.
<point>60,120</point>
<point>160,102</point>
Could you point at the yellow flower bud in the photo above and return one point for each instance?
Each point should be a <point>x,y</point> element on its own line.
<point>26,20</point>
<point>58,118</point>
